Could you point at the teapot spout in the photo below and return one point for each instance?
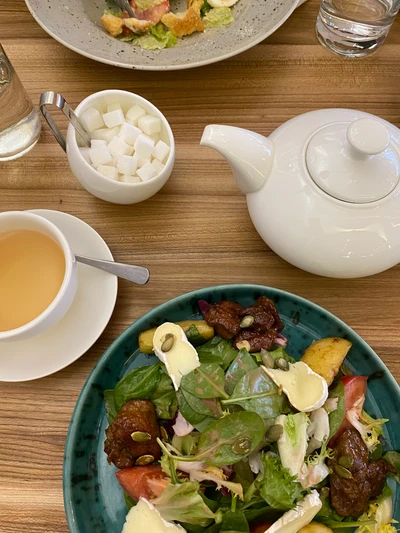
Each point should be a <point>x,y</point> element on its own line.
<point>249,154</point>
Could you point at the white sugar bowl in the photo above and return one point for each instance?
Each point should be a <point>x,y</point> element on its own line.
<point>111,188</point>
<point>323,191</point>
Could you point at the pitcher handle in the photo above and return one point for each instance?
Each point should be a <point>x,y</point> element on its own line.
<point>53,98</point>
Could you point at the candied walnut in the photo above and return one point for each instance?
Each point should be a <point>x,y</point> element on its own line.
<point>256,340</point>
<point>263,321</point>
<point>224,318</point>
<point>135,415</point>
<point>353,487</point>
<point>269,306</point>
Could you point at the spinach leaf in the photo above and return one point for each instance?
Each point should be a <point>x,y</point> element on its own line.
<point>109,404</point>
<point>164,398</point>
<point>217,351</point>
<point>256,392</point>
<point>336,417</point>
<point>278,487</point>
<point>129,502</point>
<point>393,458</point>
<point>205,381</point>
<point>187,412</point>
<point>203,425</point>
<point>243,474</point>
<point>280,352</point>
<point>184,503</point>
<point>207,407</point>
<point>262,513</point>
<point>139,383</point>
<point>234,521</point>
<point>221,438</point>
<point>240,366</point>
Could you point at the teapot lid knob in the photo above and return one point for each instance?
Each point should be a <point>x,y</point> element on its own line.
<point>355,162</point>
<point>368,137</point>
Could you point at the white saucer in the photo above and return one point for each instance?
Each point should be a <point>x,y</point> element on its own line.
<point>83,324</point>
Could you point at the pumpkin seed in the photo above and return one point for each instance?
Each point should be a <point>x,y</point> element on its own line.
<point>324,493</point>
<point>241,446</point>
<point>247,321</point>
<point>144,460</point>
<point>346,461</point>
<point>168,342</point>
<point>164,434</point>
<point>140,436</point>
<point>267,358</point>
<point>343,472</point>
<point>243,344</point>
<point>274,432</point>
<point>281,364</point>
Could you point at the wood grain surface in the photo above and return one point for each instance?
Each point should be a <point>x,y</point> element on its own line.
<point>196,232</point>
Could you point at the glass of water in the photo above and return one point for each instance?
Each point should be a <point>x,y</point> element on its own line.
<point>355,28</point>
<point>19,122</point>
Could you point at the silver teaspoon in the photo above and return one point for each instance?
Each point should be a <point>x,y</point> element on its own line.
<point>133,273</point>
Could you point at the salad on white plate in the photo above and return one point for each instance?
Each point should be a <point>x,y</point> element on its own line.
<point>157,24</point>
<point>227,433</point>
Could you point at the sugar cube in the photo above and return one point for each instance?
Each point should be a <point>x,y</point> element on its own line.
<point>134,114</point>
<point>157,165</point>
<point>129,179</point>
<point>100,156</point>
<point>155,137</point>
<point>127,164</point>
<point>147,172</point>
<point>105,134</point>
<point>85,154</point>
<point>113,107</point>
<point>142,161</point>
<point>91,119</point>
<point>161,151</point>
<point>129,133</point>
<point>108,172</point>
<point>114,118</point>
<point>149,124</point>
<point>118,147</point>
<point>144,146</point>
<point>97,142</point>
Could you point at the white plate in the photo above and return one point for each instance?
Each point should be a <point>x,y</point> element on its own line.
<point>76,24</point>
<point>85,321</point>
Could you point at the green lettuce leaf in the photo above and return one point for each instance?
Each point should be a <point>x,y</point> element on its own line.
<point>156,39</point>
<point>278,488</point>
<point>109,404</point>
<point>218,17</point>
<point>206,8</point>
<point>183,503</point>
<point>142,5</point>
<point>116,12</point>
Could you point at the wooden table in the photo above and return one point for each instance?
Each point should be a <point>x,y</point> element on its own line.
<point>196,232</point>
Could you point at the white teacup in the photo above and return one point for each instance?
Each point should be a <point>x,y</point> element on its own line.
<point>22,220</point>
<point>104,188</point>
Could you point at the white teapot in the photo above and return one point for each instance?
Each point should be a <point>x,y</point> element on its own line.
<point>323,190</point>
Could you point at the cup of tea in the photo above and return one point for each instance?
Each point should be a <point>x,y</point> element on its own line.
<point>38,275</point>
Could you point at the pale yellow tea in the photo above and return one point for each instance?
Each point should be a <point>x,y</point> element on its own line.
<point>32,268</point>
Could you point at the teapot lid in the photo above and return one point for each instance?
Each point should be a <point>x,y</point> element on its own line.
<point>355,161</point>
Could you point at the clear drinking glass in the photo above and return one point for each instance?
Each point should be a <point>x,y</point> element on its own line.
<point>355,28</point>
<point>19,121</point>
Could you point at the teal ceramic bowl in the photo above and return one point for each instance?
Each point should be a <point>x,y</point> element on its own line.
<point>93,498</point>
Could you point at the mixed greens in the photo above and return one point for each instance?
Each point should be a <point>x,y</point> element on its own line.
<point>235,456</point>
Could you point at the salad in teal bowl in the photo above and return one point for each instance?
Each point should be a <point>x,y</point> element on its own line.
<point>235,409</point>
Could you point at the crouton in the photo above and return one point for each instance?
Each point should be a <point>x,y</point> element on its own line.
<point>112,24</point>
<point>184,23</point>
<point>196,4</point>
